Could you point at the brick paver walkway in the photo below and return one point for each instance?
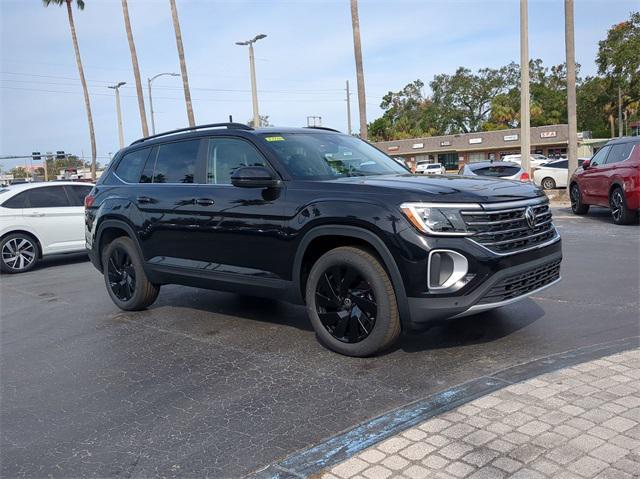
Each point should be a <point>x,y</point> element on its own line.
<point>579,422</point>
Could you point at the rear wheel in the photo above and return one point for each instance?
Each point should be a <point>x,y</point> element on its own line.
<point>351,302</point>
<point>620,213</point>
<point>19,253</point>
<point>548,183</point>
<point>124,276</point>
<point>577,206</point>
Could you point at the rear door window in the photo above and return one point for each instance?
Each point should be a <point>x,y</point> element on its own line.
<point>498,171</point>
<point>131,165</point>
<point>176,162</point>
<point>226,155</point>
<point>558,164</point>
<point>17,201</point>
<point>47,197</point>
<point>619,153</point>
<point>77,194</point>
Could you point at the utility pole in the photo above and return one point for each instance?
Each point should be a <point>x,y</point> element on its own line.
<point>116,87</point>
<point>252,68</point>
<point>357,48</point>
<point>525,132</point>
<point>620,125</point>
<point>569,41</point>
<point>149,81</point>
<point>183,63</point>
<point>348,109</point>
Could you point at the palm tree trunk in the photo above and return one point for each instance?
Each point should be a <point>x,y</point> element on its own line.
<point>183,63</point>
<point>357,47</point>
<point>87,104</point>
<point>136,68</point>
<point>612,125</point>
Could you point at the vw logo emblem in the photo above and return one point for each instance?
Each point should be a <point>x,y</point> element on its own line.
<point>530,216</point>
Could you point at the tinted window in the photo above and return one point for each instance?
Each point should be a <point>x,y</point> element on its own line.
<point>619,153</point>
<point>131,165</point>
<point>17,201</point>
<point>558,164</point>
<point>227,155</point>
<point>176,162</point>
<point>47,197</point>
<point>497,171</point>
<point>77,194</point>
<point>598,158</point>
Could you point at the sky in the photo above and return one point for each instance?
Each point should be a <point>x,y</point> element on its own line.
<point>302,65</point>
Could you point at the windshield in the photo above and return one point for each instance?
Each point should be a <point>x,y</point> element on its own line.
<point>327,156</point>
<point>497,171</point>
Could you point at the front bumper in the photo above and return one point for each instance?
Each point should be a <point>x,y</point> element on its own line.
<point>506,280</point>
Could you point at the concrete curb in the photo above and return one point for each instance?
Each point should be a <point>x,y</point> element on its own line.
<point>333,450</point>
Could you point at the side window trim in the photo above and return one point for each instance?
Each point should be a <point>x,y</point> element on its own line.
<point>213,138</point>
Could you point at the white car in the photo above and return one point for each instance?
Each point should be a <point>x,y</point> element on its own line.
<point>426,168</point>
<point>535,160</point>
<point>553,174</point>
<point>40,219</point>
<point>496,169</point>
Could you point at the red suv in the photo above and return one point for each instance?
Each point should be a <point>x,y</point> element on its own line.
<point>611,179</point>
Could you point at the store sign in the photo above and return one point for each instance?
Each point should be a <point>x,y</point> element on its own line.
<point>393,148</point>
<point>417,145</point>
<point>445,143</point>
<point>510,137</point>
<point>548,134</point>
<point>473,141</point>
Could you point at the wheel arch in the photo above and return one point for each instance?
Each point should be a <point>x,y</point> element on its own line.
<point>28,233</point>
<point>616,183</point>
<point>110,229</point>
<point>321,239</point>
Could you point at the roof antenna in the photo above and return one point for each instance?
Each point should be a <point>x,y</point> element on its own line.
<point>230,118</point>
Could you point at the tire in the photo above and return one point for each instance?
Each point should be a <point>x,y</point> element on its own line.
<point>577,206</point>
<point>351,303</point>
<point>19,253</point>
<point>620,213</point>
<point>548,183</point>
<point>124,276</point>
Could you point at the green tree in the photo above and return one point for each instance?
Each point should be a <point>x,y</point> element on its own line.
<point>87,103</point>
<point>19,172</point>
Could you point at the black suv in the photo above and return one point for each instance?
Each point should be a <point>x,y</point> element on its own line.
<point>316,217</point>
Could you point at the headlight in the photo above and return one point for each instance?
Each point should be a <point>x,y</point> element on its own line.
<point>438,218</point>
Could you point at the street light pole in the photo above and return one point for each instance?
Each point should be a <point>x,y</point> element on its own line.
<point>149,80</point>
<point>569,38</point>
<point>116,87</point>
<point>252,68</point>
<point>525,132</point>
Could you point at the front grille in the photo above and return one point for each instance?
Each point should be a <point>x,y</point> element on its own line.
<point>522,283</point>
<point>506,230</point>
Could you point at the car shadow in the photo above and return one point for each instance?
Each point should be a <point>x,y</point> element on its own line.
<point>60,260</point>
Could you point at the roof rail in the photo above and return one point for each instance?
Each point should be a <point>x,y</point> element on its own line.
<point>237,126</point>
<point>323,128</point>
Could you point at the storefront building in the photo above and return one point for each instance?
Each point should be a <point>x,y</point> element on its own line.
<point>453,151</point>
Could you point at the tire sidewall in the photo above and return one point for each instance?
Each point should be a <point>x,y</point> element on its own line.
<point>6,268</point>
<point>578,207</point>
<point>625,216</point>
<point>372,343</point>
<point>548,180</point>
<point>127,245</point>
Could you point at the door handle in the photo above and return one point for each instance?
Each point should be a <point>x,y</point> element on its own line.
<point>204,201</point>
<point>36,214</point>
<point>144,199</point>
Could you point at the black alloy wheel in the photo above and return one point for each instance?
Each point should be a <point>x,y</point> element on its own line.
<point>619,212</point>
<point>577,206</point>
<point>346,304</point>
<point>121,274</point>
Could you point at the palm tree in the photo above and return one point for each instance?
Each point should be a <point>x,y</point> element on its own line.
<point>87,104</point>
<point>136,68</point>
<point>183,64</point>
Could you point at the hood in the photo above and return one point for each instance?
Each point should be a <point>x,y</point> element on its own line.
<point>447,188</point>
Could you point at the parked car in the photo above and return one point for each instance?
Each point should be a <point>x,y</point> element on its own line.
<point>426,168</point>
<point>553,174</point>
<point>40,219</point>
<point>495,169</point>
<point>611,178</point>
<point>535,160</point>
<point>370,248</point>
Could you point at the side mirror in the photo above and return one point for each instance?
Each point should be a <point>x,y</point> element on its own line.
<point>586,164</point>
<point>254,177</point>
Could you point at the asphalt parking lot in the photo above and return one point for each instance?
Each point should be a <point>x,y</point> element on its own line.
<point>216,384</point>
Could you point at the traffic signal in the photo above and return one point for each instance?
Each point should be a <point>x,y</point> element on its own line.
<point>60,155</point>
<point>35,155</point>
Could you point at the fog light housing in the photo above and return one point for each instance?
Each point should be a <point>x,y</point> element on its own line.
<point>447,271</point>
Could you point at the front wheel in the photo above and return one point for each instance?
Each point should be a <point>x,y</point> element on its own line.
<point>124,276</point>
<point>351,302</point>
<point>548,183</point>
<point>577,206</point>
<point>620,213</point>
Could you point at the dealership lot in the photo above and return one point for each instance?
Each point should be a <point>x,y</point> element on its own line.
<point>209,383</point>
